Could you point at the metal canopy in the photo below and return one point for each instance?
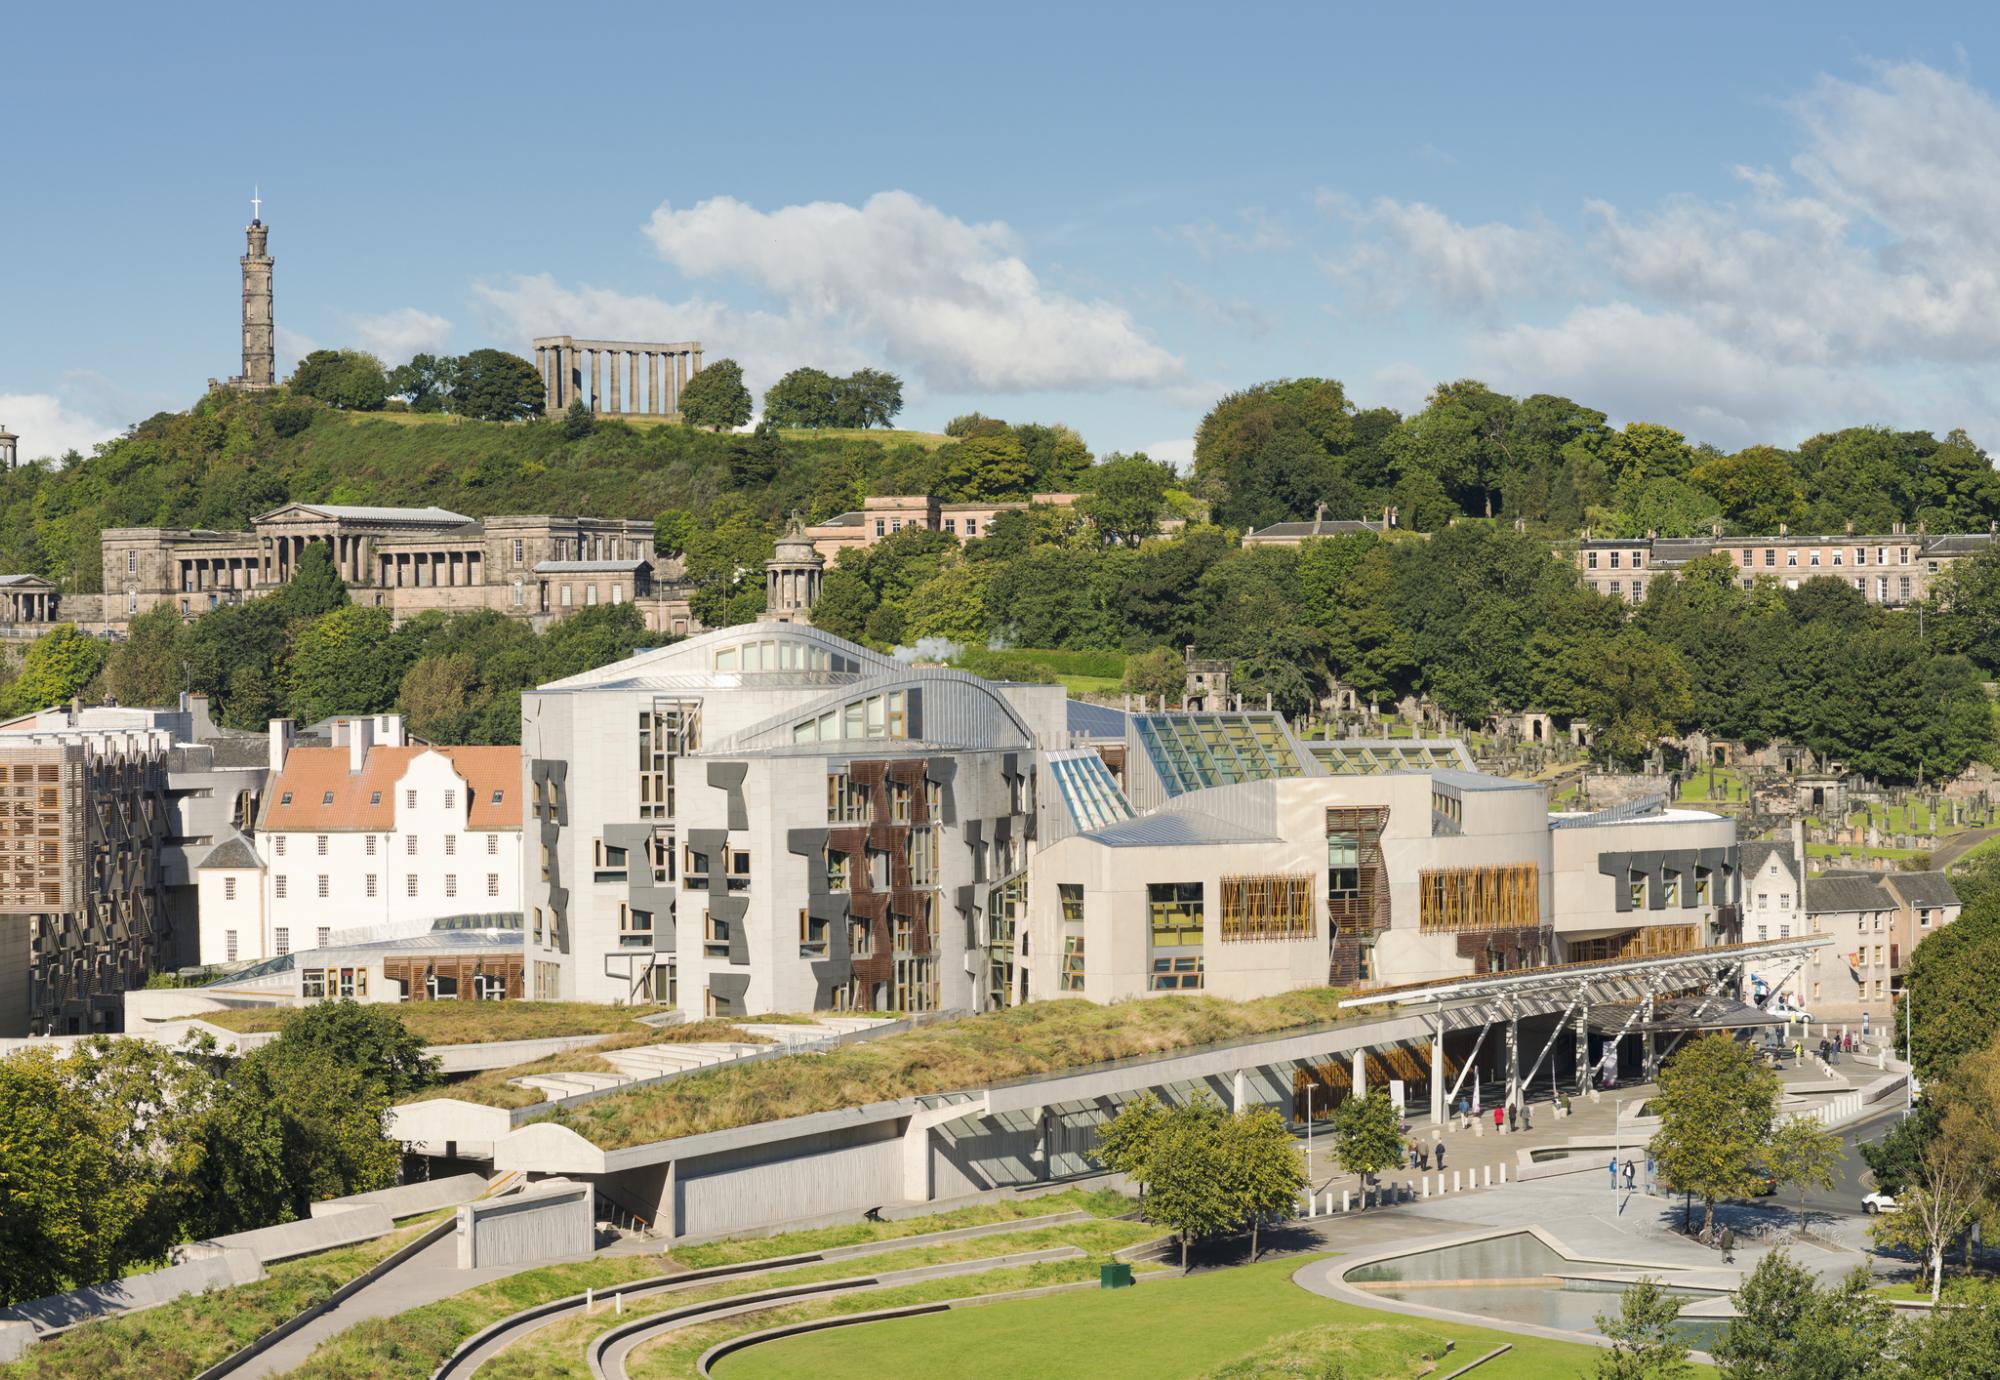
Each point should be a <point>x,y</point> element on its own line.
<point>1677,1015</point>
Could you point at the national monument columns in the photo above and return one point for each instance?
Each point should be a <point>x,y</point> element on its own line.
<point>573,369</point>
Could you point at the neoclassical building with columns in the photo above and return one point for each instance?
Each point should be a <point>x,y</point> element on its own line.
<point>573,369</point>
<point>407,560</point>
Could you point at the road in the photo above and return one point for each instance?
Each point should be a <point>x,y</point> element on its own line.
<point>1851,1176</point>
<point>1945,854</point>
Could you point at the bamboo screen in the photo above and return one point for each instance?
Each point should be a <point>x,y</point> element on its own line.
<point>1362,909</point>
<point>1456,900</point>
<point>1643,943</point>
<point>1274,906</point>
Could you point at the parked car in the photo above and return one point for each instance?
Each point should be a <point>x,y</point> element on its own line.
<point>1763,1183</point>
<point>1879,1202</point>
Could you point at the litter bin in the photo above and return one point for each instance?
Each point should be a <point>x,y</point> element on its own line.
<point>1116,1275</point>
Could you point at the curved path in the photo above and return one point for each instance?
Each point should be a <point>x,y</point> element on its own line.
<point>608,1352</point>
<point>490,1341</point>
<point>1945,854</point>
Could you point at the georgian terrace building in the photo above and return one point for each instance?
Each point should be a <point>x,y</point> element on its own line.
<point>407,560</point>
<point>1892,570</point>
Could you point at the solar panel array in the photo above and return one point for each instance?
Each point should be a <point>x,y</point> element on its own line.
<point>1194,751</point>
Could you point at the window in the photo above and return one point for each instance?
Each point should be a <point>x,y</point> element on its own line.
<point>1903,588</point>
<point>836,870</point>
<point>1784,900</point>
<point>1278,906</point>
<point>278,840</point>
<point>1704,886</point>
<point>493,884</point>
<point>282,937</point>
<point>320,842</point>
<point>739,869</point>
<point>1614,559</point>
<point>609,861</point>
<point>131,562</point>
<point>1770,557</point>
<point>229,945</point>
<point>1343,866</point>
<point>325,934</point>
<point>493,840</point>
<point>519,551</point>
<point>451,800</point>
<point>538,924</point>
<point>1791,557</point>
<point>369,846</point>
<point>1836,556</point>
<point>410,845</point>
<point>1617,590</point>
<point>451,845</point>
<point>374,797</point>
<point>846,803</point>
<point>1784,931</point>
<point>1590,560</point>
<point>409,884</point>
<point>880,529</point>
<point>715,935</point>
<point>635,927</point>
<point>520,594</point>
<point>1923,919</point>
<point>409,800</point>
<point>951,526</point>
<point>694,868</point>
<point>1176,974</point>
<point>545,862</point>
<point>229,890</point>
<point>660,853</point>
<point>1763,932</point>
<point>1635,890</point>
<point>812,935</point>
<point>1813,558</point>
<point>565,599</point>
<point>921,854</point>
<point>451,884</point>
<point>325,886</point>
<point>371,886</point>
<point>1763,900</point>
<point>278,886</point>
<point>899,801</point>
<point>972,527</point>
<point>312,982</point>
<point>1670,885</point>
<point>326,798</point>
<point>1174,910</point>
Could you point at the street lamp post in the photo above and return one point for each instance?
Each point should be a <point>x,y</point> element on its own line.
<point>1312,1184</point>
<point>1617,1140</point>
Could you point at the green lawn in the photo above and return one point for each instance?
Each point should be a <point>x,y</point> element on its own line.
<point>1728,786</point>
<point>929,440</point>
<point>1164,1328</point>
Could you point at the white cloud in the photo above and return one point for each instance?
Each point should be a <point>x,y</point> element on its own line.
<point>395,336</point>
<point>291,346</point>
<point>894,282</point>
<point>1411,249</point>
<point>1233,314</point>
<point>48,428</point>
<point>1401,385</point>
<point>1667,367</point>
<point>1858,281</point>
<point>1259,234</point>
<point>1177,451</point>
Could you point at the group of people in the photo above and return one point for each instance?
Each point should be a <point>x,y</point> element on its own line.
<point>1421,1154</point>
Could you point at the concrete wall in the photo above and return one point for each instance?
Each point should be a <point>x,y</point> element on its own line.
<point>217,1270</point>
<point>853,1170</point>
<point>360,1222</point>
<point>555,1220</point>
<point>410,1200</point>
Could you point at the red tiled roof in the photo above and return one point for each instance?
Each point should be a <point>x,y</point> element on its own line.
<point>366,801</point>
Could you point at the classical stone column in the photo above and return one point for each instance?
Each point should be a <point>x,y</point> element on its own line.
<point>653,383</point>
<point>617,358</point>
<point>597,380</point>
<point>632,364</point>
<point>695,368</point>
<point>680,377</point>
<point>542,369</point>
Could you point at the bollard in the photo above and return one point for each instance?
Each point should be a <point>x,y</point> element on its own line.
<point>588,1302</point>
<point>1454,1181</point>
<point>1503,1174</point>
<point>1329,1202</point>
<point>1345,1204</point>
<point>1427,1185</point>
<point>1488,1176</point>
<point>618,1304</point>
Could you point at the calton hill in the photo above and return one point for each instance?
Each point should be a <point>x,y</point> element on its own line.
<point>1460,606</point>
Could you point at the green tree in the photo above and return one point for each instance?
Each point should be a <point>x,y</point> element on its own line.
<point>147,667</point>
<point>985,468</point>
<point>1125,1144</point>
<point>435,697</point>
<point>1271,452</point>
<point>802,398</point>
<point>1788,1328</point>
<point>578,420</point>
<point>56,668</point>
<point>587,638</point>
<point>1804,1154</point>
<point>1634,690</point>
<point>1715,1103</point>
<point>1264,1172</point>
<point>315,587</point>
<point>1955,1169</point>
<point>349,379</point>
<point>1366,1136</point>
<point>844,604</point>
<point>1189,1190</point>
<point>1756,487</point>
<point>1158,673</point>
<point>951,604</point>
<point>716,398</point>
<point>370,1039</point>
<point>348,661</point>
<point>1960,1339</point>
<point>495,386</point>
<point>1645,1344</point>
<point>1056,454</point>
<point>1957,1004</point>
<point>57,1180</point>
<point>867,397</point>
<point>426,382</point>
<point>1123,496</point>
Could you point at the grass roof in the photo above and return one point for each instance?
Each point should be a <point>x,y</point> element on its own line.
<point>472,1022</point>
<point>495,1087</point>
<point>971,1052</point>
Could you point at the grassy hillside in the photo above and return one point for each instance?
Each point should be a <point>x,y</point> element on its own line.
<point>232,457</point>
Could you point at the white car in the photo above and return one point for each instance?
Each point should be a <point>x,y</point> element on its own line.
<point>1875,1203</point>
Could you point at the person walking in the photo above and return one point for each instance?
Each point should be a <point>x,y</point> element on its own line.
<point>1631,1176</point>
<point>1513,1119</point>
<point>1499,1121</point>
<point>1614,1173</point>
<point>1440,1157</point>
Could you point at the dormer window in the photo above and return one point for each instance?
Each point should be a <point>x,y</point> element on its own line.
<point>285,799</point>
<point>375,797</point>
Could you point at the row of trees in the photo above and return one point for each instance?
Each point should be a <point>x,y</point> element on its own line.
<point>1790,1326</point>
<point>1201,1171</point>
<point>307,652</point>
<point>813,398</point>
<point>486,385</point>
<point>1276,450</point>
<point>112,1154</point>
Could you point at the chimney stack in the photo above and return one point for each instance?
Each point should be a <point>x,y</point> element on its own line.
<point>281,743</point>
<point>360,737</point>
<point>1319,517</point>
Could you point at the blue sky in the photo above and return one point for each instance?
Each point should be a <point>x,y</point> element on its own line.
<point>1749,222</point>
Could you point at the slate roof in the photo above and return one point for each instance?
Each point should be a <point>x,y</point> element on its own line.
<point>1174,829</point>
<point>1753,855</point>
<point>1923,888</point>
<point>1096,720</point>
<point>586,567</point>
<point>234,851</point>
<point>1846,891</point>
<point>1330,527</point>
